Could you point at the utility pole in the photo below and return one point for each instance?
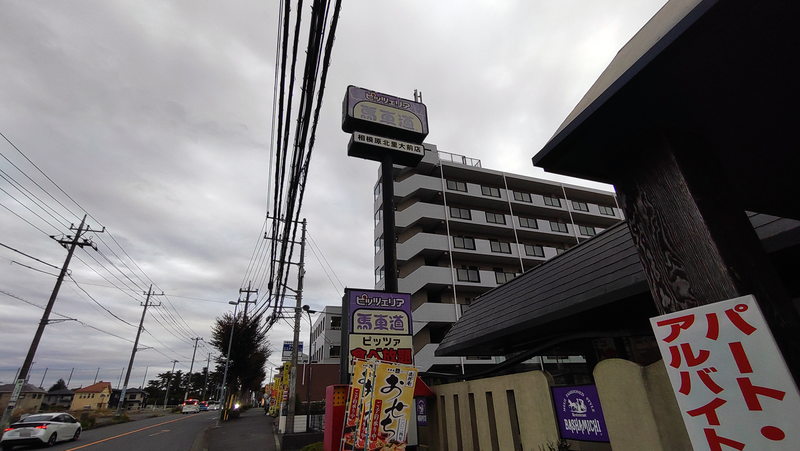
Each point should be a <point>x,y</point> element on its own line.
<point>166,397</point>
<point>296,340</point>
<point>68,242</point>
<point>70,376</point>
<point>45,375</point>
<point>247,299</point>
<point>208,370</point>
<point>191,367</point>
<point>133,352</point>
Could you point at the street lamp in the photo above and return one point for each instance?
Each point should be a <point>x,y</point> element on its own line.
<point>308,310</point>
<point>227,362</point>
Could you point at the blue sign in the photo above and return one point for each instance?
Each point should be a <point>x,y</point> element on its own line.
<point>580,416</point>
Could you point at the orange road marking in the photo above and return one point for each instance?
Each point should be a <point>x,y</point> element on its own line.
<point>127,433</point>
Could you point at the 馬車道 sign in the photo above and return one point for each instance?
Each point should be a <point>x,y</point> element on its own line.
<point>378,312</point>
<point>731,382</point>
<point>380,114</point>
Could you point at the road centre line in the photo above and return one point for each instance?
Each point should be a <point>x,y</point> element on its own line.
<point>127,433</point>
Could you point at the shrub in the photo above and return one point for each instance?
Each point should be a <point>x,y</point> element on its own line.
<point>313,447</point>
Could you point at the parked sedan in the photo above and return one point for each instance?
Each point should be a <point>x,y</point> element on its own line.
<point>41,429</point>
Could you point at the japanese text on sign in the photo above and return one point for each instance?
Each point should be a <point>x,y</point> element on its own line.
<point>730,380</point>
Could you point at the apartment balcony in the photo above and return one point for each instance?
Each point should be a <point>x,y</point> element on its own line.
<point>434,312</point>
<point>422,186</point>
<point>438,277</point>
<point>421,244</point>
<point>420,213</point>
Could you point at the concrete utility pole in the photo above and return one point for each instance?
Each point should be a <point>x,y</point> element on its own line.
<point>208,370</point>
<point>69,243</point>
<point>166,397</point>
<point>247,298</point>
<point>296,340</point>
<point>121,402</point>
<point>191,367</point>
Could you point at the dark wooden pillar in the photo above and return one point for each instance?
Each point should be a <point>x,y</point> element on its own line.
<point>693,237</point>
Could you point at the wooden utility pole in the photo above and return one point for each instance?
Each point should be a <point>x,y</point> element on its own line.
<point>69,242</point>
<point>121,402</point>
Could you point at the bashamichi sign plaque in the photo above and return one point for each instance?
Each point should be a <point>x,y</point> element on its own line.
<point>384,115</point>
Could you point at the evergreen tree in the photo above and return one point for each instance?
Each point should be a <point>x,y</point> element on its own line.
<point>59,385</point>
<point>249,352</point>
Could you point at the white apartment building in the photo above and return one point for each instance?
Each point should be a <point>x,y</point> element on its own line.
<point>326,336</point>
<point>463,229</point>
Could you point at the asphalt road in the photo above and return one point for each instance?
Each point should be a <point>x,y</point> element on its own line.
<point>172,432</point>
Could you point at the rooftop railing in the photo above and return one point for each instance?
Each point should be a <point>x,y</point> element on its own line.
<point>461,159</point>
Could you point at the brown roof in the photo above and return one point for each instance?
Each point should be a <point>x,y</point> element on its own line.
<point>95,388</point>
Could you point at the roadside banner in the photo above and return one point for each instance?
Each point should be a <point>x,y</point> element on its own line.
<point>379,407</point>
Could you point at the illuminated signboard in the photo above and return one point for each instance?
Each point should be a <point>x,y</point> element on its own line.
<point>373,147</point>
<point>384,115</point>
<point>731,382</point>
<point>379,326</point>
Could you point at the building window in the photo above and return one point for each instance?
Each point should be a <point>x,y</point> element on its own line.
<point>463,242</point>
<point>499,246</point>
<point>552,201</point>
<point>335,352</point>
<point>558,226</point>
<point>378,275</point>
<point>377,191</point>
<point>560,251</point>
<point>460,213</point>
<point>495,218</point>
<point>336,323</point>
<point>529,223</point>
<point>502,276</point>
<point>456,186</point>
<point>378,245</point>
<point>534,250</point>
<point>608,211</point>
<point>470,274</point>
<point>522,197</point>
<point>580,206</point>
<point>378,217</point>
<point>586,230</point>
<point>490,191</point>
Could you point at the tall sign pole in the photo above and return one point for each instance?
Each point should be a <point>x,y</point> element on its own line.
<point>70,243</point>
<point>121,403</point>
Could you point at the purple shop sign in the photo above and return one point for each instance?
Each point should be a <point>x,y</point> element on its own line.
<point>580,416</point>
<point>379,312</point>
<point>422,411</point>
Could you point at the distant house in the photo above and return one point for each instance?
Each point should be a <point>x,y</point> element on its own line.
<point>135,399</point>
<point>93,397</point>
<point>30,399</point>
<point>60,398</point>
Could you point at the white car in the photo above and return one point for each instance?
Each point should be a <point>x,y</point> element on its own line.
<point>190,406</point>
<point>213,405</point>
<point>41,429</point>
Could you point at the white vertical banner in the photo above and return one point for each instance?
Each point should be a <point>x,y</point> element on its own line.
<point>731,382</point>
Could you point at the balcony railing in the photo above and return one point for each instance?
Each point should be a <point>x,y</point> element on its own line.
<point>456,158</point>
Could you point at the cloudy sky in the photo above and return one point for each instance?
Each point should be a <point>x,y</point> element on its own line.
<point>154,118</point>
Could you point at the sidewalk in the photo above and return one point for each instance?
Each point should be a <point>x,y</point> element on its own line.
<point>251,431</point>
